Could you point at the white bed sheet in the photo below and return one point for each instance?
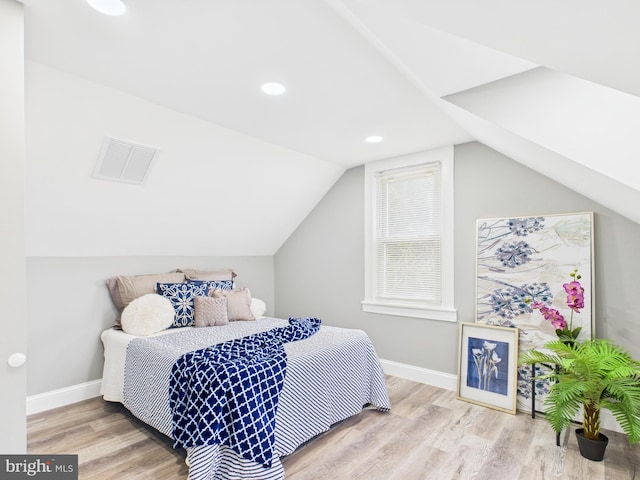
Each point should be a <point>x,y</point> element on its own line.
<point>115,344</point>
<point>323,386</point>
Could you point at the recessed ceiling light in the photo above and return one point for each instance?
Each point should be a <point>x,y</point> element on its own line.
<point>373,139</point>
<point>109,7</point>
<point>273,88</point>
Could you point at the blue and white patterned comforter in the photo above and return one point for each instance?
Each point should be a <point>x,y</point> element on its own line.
<point>330,376</point>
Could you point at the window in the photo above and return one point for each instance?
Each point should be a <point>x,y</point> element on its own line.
<point>409,236</point>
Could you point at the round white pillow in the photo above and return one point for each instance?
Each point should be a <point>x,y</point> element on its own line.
<point>258,307</point>
<point>148,314</point>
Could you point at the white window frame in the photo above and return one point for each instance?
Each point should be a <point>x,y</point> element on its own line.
<point>444,311</point>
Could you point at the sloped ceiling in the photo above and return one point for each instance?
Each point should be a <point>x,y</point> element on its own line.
<point>553,85</point>
<point>572,110</point>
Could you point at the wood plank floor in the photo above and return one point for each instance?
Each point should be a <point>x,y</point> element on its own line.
<point>427,435</point>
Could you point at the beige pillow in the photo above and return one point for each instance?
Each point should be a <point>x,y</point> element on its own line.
<point>209,311</point>
<point>126,288</point>
<point>218,274</point>
<point>238,303</point>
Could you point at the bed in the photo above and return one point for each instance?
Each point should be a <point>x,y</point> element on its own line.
<point>330,376</point>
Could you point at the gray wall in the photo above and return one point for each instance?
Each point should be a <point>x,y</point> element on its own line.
<point>68,307</point>
<point>13,427</point>
<point>319,270</point>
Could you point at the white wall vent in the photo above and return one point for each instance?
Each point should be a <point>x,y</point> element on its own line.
<point>123,161</point>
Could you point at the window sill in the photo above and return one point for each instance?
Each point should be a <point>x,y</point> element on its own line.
<point>430,313</point>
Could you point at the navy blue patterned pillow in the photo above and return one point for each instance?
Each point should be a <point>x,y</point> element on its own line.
<point>181,296</point>
<point>215,284</point>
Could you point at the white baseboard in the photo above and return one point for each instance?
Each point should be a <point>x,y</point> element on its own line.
<point>419,374</point>
<point>63,396</point>
<point>449,382</point>
<point>76,393</point>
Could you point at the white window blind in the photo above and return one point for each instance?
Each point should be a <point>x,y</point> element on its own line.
<point>408,235</point>
<point>408,242</point>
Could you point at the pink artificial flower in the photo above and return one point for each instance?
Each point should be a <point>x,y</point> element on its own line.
<point>551,314</point>
<point>575,296</point>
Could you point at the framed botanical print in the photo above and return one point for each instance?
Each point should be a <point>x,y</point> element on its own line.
<point>487,366</point>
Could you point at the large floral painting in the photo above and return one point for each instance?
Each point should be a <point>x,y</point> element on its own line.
<point>535,273</point>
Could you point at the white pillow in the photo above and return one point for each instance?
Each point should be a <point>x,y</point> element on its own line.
<point>258,307</point>
<point>148,314</point>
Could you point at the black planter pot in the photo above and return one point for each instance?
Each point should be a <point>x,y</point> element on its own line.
<point>591,449</point>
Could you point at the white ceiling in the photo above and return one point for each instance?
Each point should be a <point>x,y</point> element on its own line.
<point>592,39</point>
<point>208,59</point>
<point>551,84</point>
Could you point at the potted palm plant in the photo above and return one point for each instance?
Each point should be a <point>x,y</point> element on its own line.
<point>591,375</point>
